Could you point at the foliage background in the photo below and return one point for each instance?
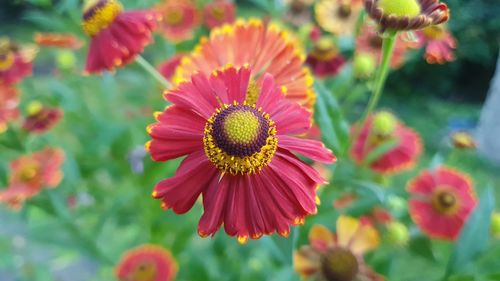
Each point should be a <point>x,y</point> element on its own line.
<point>104,120</point>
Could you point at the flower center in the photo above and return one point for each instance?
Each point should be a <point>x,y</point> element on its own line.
<point>6,54</point>
<point>434,32</point>
<point>400,8</point>
<point>218,13</point>
<point>174,17</point>
<point>98,14</point>
<point>376,41</point>
<point>324,49</point>
<point>144,272</point>
<point>384,124</point>
<point>445,201</point>
<point>28,173</point>
<point>344,11</point>
<point>339,264</point>
<point>240,139</point>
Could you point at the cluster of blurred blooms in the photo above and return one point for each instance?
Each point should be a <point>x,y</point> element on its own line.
<point>441,199</point>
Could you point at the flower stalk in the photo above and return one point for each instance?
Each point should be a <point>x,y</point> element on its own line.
<point>152,71</point>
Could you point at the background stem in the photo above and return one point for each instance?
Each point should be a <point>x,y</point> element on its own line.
<point>152,71</point>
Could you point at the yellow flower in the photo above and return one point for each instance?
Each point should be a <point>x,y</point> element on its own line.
<point>337,16</point>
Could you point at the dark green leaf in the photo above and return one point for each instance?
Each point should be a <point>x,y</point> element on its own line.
<point>475,235</point>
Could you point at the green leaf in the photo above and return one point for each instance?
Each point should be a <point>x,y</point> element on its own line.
<point>334,128</point>
<point>474,236</point>
<point>422,246</point>
<point>379,151</point>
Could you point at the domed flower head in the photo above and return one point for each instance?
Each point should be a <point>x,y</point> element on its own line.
<point>463,140</point>
<point>218,13</point>
<point>380,129</point>
<point>41,118</point>
<point>364,65</point>
<point>441,201</point>
<point>238,138</point>
<point>147,263</point>
<point>338,16</point>
<point>324,59</point>
<point>338,257</point>
<point>370,41</point>
<point>31,173</point>
<point>167,68</point>
<point>58,40</point>
<point>266,48</point>
<point>179,18</point>
<point>15,61</point>
<point>439,43</point>
<point>407,14</point>
<point>117,36</point>
<point>8,105</point>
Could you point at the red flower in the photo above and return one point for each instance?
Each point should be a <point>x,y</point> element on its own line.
<point>380,129</point>
<point>441,201</point>
<point>266,48</point>
<point>338,256</point>
<point>167,68</point>
<point>218,13</point>
<point>147,263</point>
<point>41,118</point>
<point>237,138</point>
<point>8,105</point>
<point>59,40</point>
<point>370,41</point>
<point>180,17</point>
<point>15,61</point>
<point>116,36</point>
<point>324,58</point>
<point>439,43</point>
<point>30,173</point>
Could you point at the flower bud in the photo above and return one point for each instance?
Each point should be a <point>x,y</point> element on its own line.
<point>495,224</point>
<point>384,123</point>
<point>364,65</point>
<point>397,233</point>
<point>65,60</point>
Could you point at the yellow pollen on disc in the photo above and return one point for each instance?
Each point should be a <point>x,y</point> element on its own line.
<point>253,93</point>
<point>324,49</point>
<point>241,126</point>
<point>445,201</point>
<point>100,15</point>
<point>7,56</point>
<point>29,172</point>
<point>144,272</point>
<point>174,17</point>
<point>400,8</point>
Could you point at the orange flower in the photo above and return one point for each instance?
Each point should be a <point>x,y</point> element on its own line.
<point>30,173</point>
<point>439,43</point>
<point>147,263</point>
<point>264,47</point>
<point>8,105</point>
<point>59,40</point>
<point>41,118</point>
<point>218,13</point>
<point>179,18</point>
<point>441,202</point>
<point>338,256</point>
<point>370,41</point>
<point>380,129</point>
<point>15,61</point>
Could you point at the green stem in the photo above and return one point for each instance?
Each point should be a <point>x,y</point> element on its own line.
<point>152,71</point>
<point>387,49</point>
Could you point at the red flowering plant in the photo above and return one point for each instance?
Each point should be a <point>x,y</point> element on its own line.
<point>267,132</point>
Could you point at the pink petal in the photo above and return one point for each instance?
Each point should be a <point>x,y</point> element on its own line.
<point>312,149</point>
<point>192,177</point>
